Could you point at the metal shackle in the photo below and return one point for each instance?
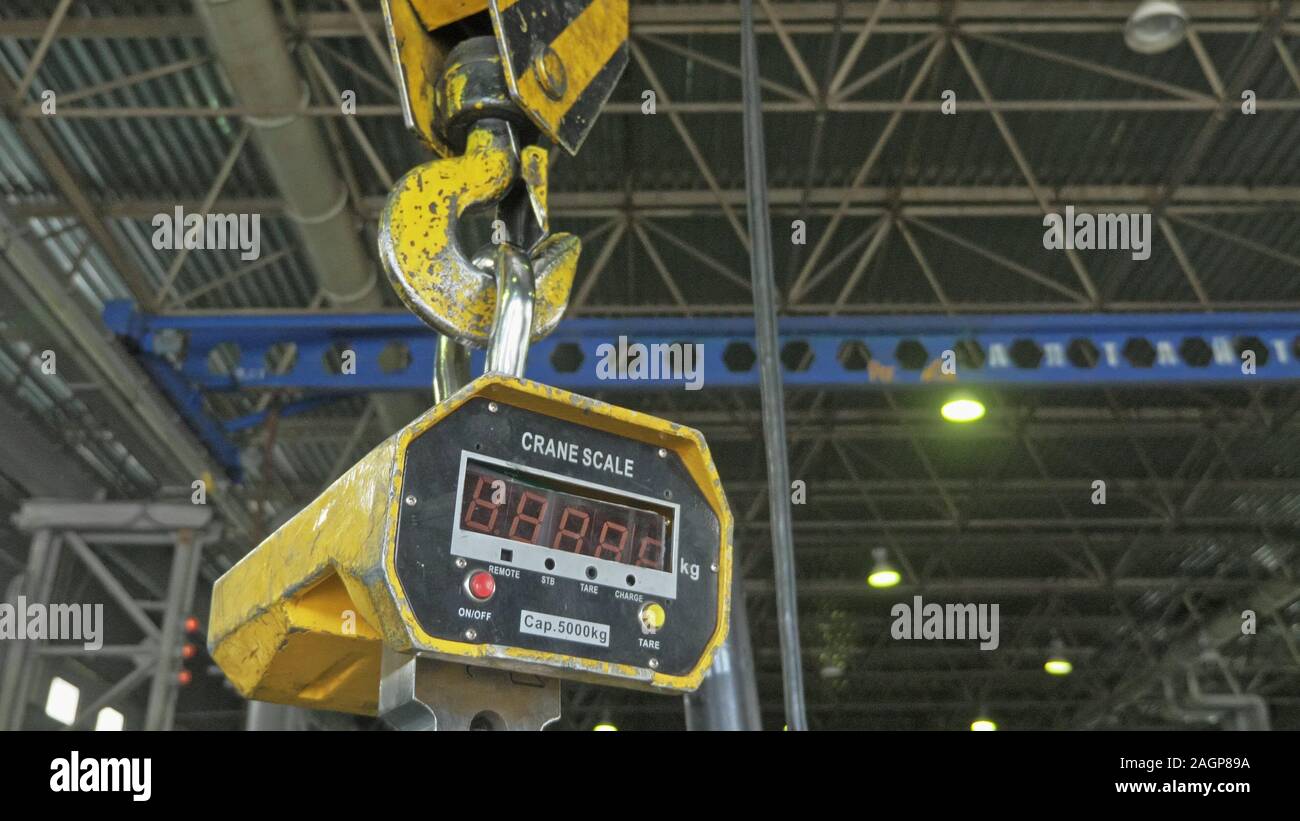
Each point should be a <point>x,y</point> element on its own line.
<point>512,323</point>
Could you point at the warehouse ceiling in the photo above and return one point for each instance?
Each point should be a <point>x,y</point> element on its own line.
<point>907,210</point>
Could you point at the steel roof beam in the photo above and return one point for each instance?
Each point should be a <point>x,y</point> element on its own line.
<point>970,201</point>
<point>812,587</point>
<point>717,17</point>
<point>29,274</point>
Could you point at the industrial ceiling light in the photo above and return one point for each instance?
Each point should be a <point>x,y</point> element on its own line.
<point>962,409</point>
<point>61,701</point>
<point>983,725</point>
<point>883,574</point>
<point>1057,664</point>
<point>1155,26</point>
<point>109,719</point>
<point>832,671</point>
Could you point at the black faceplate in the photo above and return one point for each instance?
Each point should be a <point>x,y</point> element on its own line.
<point>435,586</point>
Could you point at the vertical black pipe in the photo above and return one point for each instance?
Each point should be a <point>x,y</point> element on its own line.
<point>728,696</point>
<point>778,462</point>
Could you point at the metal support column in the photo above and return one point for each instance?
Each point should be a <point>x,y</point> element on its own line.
<point>728,696</point>
<point>262,715</point>
<point>80,525</point>
<point>15,677</point>
<point>180,595</point>
<point>778,463</point>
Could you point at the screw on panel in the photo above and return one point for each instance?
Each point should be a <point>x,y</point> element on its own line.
<point>714,567</point>
<point>654,664</point>
<point>663,453</point>
<point>471,634</point>
<point>461,563</point>
<point>549,70</point>
<point>410,501</point>
<point>492,406</point>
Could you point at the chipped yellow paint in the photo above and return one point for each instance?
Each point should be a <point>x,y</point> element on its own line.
<point>451,92</point>
<point>533,167</point>
<point>438,13</point>
<point>585,46</point>
<point>418,226</point>
<point>279,627</point>
<point>553,279</point>
<point>435,279</point>
<point>419,59</point>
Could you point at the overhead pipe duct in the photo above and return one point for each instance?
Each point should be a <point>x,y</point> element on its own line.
<point>1245,711</point>
<point>1248,712</point>
<point>1270,597</point>
<point>248,42</point>
<point>250,46</point>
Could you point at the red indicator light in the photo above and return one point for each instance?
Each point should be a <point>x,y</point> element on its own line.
<point>188,651</point>
<point>184,677</point>
<point>191,625</point>
<point>481,585</point>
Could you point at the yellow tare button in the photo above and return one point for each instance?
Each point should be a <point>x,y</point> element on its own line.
<point>652,617</point>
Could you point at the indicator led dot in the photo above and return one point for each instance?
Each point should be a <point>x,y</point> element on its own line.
<point>481,585</point>
<point>652,617</point>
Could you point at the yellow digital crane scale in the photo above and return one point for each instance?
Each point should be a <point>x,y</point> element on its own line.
<point>512,526</point>
<point>514,534</point>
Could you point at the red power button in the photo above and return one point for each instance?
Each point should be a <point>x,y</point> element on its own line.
<point>481,585</point>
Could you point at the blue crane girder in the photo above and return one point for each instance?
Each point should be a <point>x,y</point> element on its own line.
<point>191,354</point>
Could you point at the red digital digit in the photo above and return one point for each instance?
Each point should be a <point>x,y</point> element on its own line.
<point>655,548</point>
<point>480,501</point>
<point>522,516</point>
<point>575,536</point>
<point>603,542</point>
